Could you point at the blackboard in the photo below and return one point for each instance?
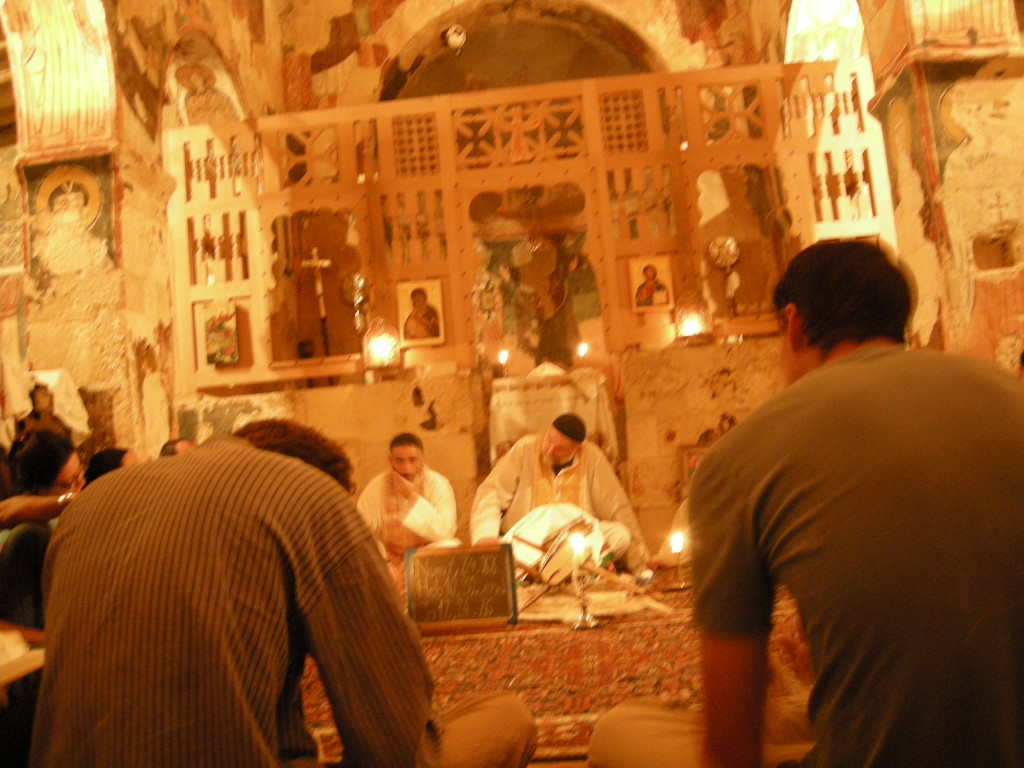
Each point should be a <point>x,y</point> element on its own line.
<point>461,587</point>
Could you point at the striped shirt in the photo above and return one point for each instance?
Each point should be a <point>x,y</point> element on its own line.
<point>183,596</point>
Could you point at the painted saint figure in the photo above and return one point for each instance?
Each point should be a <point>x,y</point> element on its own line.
<point>424,321</point>
<point>651,291</point>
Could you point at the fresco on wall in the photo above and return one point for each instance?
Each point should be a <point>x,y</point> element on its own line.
<point>536,292</point>
<point>71,217</point>
<point>730,33</point>
<point>198,86</point>
<point>315,258</point>
<point>64,72</point>
<point>12,244</point>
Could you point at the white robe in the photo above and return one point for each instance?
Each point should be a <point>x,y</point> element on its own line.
<point>431,516</point>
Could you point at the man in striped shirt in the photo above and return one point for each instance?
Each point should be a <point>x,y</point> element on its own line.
<point>184,595</point>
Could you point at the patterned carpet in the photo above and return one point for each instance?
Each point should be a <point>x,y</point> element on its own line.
<point>567,678</point>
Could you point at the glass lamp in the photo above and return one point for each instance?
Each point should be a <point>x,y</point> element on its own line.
<point>382,349</point>
<point>693,319</point>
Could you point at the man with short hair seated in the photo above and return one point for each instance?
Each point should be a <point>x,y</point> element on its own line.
<point>883,489</point>
<point>409,506</point>
<point>559,467</point>
<point>184,597</point>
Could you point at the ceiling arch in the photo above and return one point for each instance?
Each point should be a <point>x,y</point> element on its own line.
<point>514,43</point>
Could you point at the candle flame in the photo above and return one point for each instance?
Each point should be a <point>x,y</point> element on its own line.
<point>676,542</point>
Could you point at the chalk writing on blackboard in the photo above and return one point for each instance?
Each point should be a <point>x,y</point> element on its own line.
<point>461,584</point>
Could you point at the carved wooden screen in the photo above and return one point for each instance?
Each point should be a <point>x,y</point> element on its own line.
<point>527,216</point>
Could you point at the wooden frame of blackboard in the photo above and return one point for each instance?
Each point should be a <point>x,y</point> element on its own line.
<point>454,589</point>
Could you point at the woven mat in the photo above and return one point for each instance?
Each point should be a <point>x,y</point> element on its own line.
<point>567,678</point>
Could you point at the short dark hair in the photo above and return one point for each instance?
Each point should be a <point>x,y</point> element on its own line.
<point>846,291</point>
<point>300,442</point>
<point>170,448</point>
<point>40,459</point>
<point>104,461</point>
<point>405,438</point>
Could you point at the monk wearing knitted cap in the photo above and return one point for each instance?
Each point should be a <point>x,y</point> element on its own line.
<point>559,467</point>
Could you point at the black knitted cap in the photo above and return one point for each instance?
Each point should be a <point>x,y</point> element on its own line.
<point>572,426</point>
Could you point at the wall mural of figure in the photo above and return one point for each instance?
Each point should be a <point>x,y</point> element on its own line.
<point>536,292</point>
<point>65,71</point>
<point>71,218</point>
<point>204,101</point>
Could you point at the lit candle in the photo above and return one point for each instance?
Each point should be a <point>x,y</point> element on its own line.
<point>503,357</point>
<point>578,543</point>
<point>691,325</point>
<point>676,542</point>
<point>582,349</point>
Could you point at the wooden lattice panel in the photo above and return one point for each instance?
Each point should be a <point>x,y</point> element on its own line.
<point>613,172</point>
<point>309,157</point>
<point>811,110</point>
<point>221,167</point>
<point>416,151</point>
<point>517,133</point>
<point>673,122</point>
<point>413,229</point>
<point>623,122</point>
<point>642,204</point>
<point>731,113</point>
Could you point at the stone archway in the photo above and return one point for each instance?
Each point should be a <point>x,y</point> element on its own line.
<point>513,44</point>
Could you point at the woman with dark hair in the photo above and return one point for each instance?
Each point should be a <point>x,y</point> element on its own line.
<point>46,464</point>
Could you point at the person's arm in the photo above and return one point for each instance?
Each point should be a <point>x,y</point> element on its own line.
<point>372,666</point>
<point>734,682</point>
<point>494,495</point>
<point>28,634</point>
<point>610,502</point>
<point>26,508</point>
<point>432,518</point>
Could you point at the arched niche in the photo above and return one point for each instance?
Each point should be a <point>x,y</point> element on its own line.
<point>515,43</point>
<point>198,87</point>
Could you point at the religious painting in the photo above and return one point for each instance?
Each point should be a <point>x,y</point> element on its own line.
<point>421,313</point>
<point>220,325</point>
<point>536,293</point>
<point>71,211</point>
<point>650,283</point>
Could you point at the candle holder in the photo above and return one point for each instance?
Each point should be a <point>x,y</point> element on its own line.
<point>581,580</point>
<point>677,543</point>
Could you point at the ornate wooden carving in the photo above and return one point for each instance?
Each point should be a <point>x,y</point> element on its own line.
<point>617,168</point>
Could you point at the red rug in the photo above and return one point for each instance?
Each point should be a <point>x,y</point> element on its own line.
<point>567,678</point>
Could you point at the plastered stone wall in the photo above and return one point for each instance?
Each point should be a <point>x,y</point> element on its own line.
<point>446,411</point>
<point>983,200</point>
<point>675,398</point>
